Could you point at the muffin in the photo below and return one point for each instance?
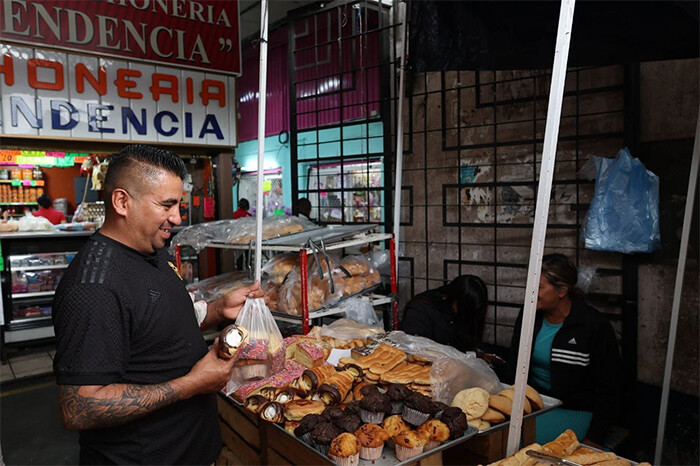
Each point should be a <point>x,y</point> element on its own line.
<point>353,407</point>
<point>372,438</point>
<point>436,409</point>
<point>456,421</point>
<point>435,432</point>
<point>397,393</point>
<point>331,413</point>
<point>364,389</point>
<point>393,426</point>
<point>306,427</point>
<point>373,408</point>
<point>416,409</point>
<point>348,422</point>
<point>345,450</point>
<point>323,434</point>
<point>408,445</point>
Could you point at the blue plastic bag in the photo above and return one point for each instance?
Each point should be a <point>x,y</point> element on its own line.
<point>624,214</point>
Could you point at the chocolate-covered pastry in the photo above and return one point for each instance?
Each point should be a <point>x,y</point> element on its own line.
<point>354,369</point>
<point>231,341</point>
<point>272,412</point>
<point>336,388</point>
<point>331,413</point>
<point>255,403</point>
<point>311,379</point>
<point>268,392</point>
<point>286,395</point>
<point>348,422</point>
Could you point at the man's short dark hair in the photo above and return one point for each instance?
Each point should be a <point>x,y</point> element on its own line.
<point>302,206</point>
<point>44,201</point>
<point>149,160</point>
<point>243,203</point>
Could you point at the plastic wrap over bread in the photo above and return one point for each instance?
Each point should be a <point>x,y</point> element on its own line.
<point>198,236</point>
<point>277,268</point>
<point>320,291</point>
<point>346,329</point>
<point>214,287</point>
<point>272,228</point>
<point>452,370</point>
<point>262,353</point>
<point>362,275</point>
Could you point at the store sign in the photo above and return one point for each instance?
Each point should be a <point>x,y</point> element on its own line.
<point>197,34</point>
<point>57,94</point>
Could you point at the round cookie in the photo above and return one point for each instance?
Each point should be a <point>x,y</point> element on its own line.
<point>473,401</point>
<point>501,403</point>
<point>509,393</point>
<point>491,415</point>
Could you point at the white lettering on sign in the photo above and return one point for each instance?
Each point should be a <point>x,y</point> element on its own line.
<point>59,94</point>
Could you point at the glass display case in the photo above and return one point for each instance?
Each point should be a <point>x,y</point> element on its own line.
<point>350,192</point>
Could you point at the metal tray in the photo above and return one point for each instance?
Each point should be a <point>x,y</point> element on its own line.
<point>549,404</point>
<point>326,234</point>
<point>388,457</point>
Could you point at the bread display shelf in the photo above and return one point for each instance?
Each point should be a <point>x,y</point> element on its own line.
<point>294,242</point>
<point>549,404</point>
<point>388,457</point>
<point>335,308</point>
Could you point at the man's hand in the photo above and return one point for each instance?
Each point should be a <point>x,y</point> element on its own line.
<point>228,306</point>
<point>210,374</point>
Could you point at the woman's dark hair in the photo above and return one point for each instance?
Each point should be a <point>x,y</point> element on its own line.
<point>560,271</point>
<point>243,203</point>
<point>470,294</point>
<point>44,201</point>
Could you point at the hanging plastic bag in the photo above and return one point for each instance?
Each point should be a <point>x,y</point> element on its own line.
<point>262,353</point>
<point>360,310</point>
<point>624,214</point>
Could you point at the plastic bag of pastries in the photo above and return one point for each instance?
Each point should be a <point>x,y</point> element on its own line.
<point>277,268</point>
<point>320,292</point>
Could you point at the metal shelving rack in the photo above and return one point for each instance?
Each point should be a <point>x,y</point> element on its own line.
<point>335,237</point>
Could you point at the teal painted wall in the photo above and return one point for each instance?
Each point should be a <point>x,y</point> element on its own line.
<point>359,139</point>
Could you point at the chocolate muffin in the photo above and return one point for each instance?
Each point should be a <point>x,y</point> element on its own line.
<point>456,421</point>
<point>436,409</point>
<point>331,413</point>
<point>323,434</point>
<point>416,409</point>
<point>348,422</point>
<point>353,407</point>
<point>368,390</point>
<point>306,427</point>
<point>397,393</point>
<point>373,408</point>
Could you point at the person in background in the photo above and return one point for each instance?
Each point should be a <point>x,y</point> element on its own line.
<point>302,208</point>
<point>134,374</point>
<point>452,315</point>
<point>47,211</point>
<point>243,207</point>
<point>574,358</point>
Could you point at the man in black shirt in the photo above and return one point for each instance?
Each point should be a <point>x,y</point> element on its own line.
<point>134,373</point>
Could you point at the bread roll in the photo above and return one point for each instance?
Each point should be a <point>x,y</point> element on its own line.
<point>563,445</point>
<point>509,393</point>
<point>520,458</point>
<point>491,415</point>
<point>297,409</point>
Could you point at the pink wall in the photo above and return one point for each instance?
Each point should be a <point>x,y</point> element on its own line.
<point>318,76</point>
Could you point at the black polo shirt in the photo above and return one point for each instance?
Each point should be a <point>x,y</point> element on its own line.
<point>123,317</point>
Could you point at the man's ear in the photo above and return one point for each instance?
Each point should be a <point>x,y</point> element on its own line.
<point>562,291</point>
<point>120,200</point>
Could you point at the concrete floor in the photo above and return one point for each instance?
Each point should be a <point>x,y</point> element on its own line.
<point>30,429</point>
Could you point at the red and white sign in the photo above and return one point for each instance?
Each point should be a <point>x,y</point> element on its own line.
<point>57,94</point>
<point>198,34</point>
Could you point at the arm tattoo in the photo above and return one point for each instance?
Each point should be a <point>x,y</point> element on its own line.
<point>124,403</point>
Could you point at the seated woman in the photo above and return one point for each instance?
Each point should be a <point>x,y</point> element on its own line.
<point>574,357</point>
<point>451,315</point>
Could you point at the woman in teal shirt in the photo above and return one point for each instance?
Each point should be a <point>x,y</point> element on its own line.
<point>575,357</point>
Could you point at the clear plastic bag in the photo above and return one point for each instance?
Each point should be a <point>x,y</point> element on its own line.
<point>360,310</point>
<point>346,329</point>
<point>381,261</point>
<point>214,287</point>
<point>624,214</point>
<point>272,227</point>
<point>452,370</point>
<point>32,223</point>
<point>277,268</point>
<point>263,352</point>
<point>198,236</point>
<point>320,291</point>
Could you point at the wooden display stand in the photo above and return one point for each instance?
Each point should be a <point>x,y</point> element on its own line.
<point>247,440</point>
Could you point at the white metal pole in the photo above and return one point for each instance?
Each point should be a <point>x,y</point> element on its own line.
<point>678,290</point>
<point>551,136</point>
<point>399,128</point>
<point>262,101</point>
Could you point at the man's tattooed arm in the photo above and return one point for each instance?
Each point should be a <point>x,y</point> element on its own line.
<point>90,406</point>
